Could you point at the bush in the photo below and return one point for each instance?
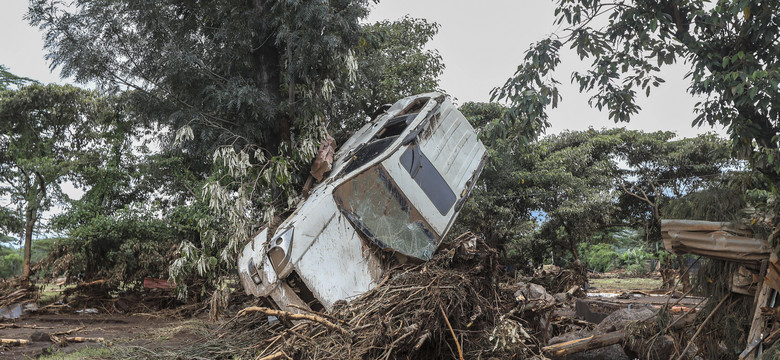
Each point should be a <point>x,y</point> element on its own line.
<point>599,257</point>
<point>637,269</point>
<point>121,248</point>
<point>10,264</point>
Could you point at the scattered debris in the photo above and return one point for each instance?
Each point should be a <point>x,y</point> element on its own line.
<point>88,311</point>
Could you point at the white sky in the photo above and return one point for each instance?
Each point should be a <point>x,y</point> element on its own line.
<point>481,43</point>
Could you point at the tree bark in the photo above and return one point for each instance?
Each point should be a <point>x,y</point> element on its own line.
<point>30,217</point>
<point>685,275</point>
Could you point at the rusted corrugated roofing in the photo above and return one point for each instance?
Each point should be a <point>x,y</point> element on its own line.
<point>717,240</point>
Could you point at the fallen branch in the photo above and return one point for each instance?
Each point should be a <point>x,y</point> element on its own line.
<point>454,337</point>
<point>291,316</point>
<point>698,331</point>
<point>68,332</point>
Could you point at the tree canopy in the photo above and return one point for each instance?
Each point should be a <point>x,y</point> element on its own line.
<point>240,95</point>
<point>46,133</point>
<point>731,48</point>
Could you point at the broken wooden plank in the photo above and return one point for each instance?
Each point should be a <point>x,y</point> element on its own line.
<point>14,342</point>
<point>757,324</point>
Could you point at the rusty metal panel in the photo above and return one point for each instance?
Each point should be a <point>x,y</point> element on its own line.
<point>699,225</point>
<point>717,240</point>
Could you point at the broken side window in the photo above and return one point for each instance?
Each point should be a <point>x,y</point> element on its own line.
<point>378,208</point>
<point>367,153</point>
<point>430,180</point>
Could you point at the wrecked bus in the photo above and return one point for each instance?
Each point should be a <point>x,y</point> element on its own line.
<point>394,189</point>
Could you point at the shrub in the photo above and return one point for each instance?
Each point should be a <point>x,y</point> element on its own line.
<point>599,257</point>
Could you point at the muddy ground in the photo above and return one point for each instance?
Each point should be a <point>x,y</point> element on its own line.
<point>138,330</point>
<point>123,332</point>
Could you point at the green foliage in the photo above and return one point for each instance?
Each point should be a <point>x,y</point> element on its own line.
<point>731,50</point>
<point>9,80</point>
<point>11,258</point>
<point>9,222</point>
<point>122,248</point>
<point>599,257</point>
<point>242,93</point>
<point>543,198</point>
<point>607,256</point>
<point>496,208</point>
<point>10,263</point>
<point>392,63</point>
<point>46,132</point>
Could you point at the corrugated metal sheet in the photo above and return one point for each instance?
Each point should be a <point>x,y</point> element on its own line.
<point>717,240</point>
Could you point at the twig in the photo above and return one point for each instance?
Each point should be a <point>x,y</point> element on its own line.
<point>69,331</point>
<point>698,331</point>
<point>455,337</point>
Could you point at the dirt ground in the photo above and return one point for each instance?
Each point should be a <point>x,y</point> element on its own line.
<point>137,333</point>
<point>117,330</point>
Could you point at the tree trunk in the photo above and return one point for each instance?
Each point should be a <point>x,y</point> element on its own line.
<point>267,59</point>
<point>30,218</point>
<point>667,274</point>
<point>685,275</point>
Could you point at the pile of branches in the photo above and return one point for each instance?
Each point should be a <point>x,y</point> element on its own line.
<point>573,275</point>
<point>12,292</point>
<point>450,306</point>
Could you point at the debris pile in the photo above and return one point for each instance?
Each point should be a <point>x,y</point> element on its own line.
<point>450,305</point>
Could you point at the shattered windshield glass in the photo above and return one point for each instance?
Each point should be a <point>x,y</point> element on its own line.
<point>376,206</point>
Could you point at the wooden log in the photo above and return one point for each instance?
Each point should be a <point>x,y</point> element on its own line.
<point>589,343</point>
<point>84,339</point>
<point>561,350</point>
<point>14,342</point>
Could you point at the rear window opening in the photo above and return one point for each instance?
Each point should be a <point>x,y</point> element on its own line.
<point>395,126</point>
<point>415,106</point>
<point>380,142</point>
<point>368,152</point>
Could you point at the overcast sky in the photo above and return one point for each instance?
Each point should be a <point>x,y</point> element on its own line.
<point>481,42</point>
